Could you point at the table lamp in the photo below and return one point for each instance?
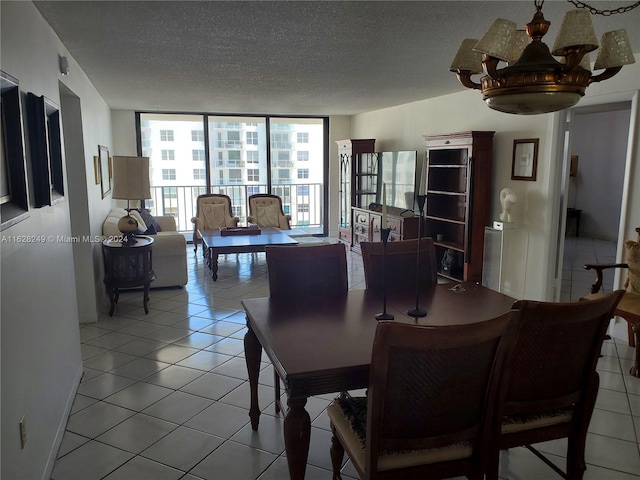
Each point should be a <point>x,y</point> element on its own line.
<point>130,182</point>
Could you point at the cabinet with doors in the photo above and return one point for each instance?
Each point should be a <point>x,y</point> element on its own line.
<point>367,223</point>
<point>457,208</point>
<point>352,181</point>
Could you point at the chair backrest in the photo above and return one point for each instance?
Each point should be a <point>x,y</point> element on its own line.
<point>266,211</point>
<point>433,386</point>
<point>307,270</point>
<point>213,210</point>
<point>554,362</point>
<point>400,266</point>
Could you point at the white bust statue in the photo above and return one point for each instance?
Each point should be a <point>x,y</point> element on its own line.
<point>507,199</point>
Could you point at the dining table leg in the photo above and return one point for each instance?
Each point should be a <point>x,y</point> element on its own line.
<point>297,435</point>
<point>252,354</point>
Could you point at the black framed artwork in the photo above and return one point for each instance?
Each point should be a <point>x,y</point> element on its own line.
<point>14,197</point>
<point>46,150</point>
<point>525,159</point>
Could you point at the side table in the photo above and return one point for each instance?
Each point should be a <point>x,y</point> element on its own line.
<point>128,266</point>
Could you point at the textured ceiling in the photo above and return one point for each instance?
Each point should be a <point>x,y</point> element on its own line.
<point>286,57</point>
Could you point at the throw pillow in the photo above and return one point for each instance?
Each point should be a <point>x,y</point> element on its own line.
<point>269,216</point>
<point>633,260</point>
<point>213,215</point>
<point>148,219</point>
<point>149,231</point>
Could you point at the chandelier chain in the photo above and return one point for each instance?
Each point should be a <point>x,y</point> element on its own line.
<point>606,13</point>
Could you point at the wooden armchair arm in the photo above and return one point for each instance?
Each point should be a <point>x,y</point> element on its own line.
<point>599,267</point>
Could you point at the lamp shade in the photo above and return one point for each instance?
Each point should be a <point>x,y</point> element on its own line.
<point>520,41</point>
<point>131,178</point>
<point>466,58</point>
<point>498,40</point>
<point>615,50</point>
<point>576,31</point>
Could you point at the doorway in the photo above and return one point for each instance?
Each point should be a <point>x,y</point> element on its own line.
<point>594,194</point>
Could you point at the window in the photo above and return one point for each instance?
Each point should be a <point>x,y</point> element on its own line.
<point>303,156</point>
<point>253,156</point>
<point>252,138</point>
<point>235,158</point>
<point>253,174</point>
<point>302,190</point>
<point>280,141</point>
<point>284,174</point>
<point>166,135</point>
<point>197,155</point>
<point>235,175</point>
<point>199,174</point>
<point>197,136</point>
<point>303,173</point>
<point>303,137</point>
<point>168,154</point>
<point>168,173</point>
<point>303,208</point>
<point>253,190</point>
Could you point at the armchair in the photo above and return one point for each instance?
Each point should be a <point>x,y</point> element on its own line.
<point>213,210</point>
<point>265,210</point>
<point>629,306</point>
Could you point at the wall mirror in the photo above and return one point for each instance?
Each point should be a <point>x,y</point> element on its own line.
<point>105,171</point>
<point>525,159</point>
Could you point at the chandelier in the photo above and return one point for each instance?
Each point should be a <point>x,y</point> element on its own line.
<point>533,81</point>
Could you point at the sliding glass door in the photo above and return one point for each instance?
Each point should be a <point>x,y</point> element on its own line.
<point>238,156</point>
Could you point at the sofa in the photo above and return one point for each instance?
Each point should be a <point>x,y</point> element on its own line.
<point>169,248</point>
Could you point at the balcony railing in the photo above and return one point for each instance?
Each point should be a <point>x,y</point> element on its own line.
<point>304,202</point>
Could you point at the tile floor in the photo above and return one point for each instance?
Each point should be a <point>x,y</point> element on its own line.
<point>165,396</point>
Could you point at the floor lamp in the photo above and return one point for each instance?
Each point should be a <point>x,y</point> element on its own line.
<point>130,182</point>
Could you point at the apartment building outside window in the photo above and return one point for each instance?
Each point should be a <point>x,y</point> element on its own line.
<point>253,174</point>
<point>166,135</point>
<point>168,173</point>
<point>240,163</point>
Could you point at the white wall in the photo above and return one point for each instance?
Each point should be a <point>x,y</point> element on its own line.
<point>40,343</point>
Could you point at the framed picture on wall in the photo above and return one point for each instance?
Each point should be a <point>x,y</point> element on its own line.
<point>105,177</point>
<point>525,159</point>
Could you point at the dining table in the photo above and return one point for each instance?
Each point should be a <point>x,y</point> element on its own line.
<point>321,345</point>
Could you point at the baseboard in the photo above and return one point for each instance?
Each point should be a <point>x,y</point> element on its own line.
<point>62,426</point>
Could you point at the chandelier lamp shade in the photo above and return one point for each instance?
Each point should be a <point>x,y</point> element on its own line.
<point>533,79</point>
<point>130,182</point>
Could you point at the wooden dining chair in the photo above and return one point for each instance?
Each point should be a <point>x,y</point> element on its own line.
<point>265,210</point>
<point>400,268</point>
<point>306,270</point>
<point>426,413</point>
<point>552,383</point>
<point>213,210</point>
<point>629,306</point>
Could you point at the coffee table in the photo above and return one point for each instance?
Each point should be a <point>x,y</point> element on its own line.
<point>215,244</point>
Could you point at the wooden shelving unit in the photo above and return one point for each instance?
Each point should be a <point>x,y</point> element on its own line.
<point>458,202</point>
